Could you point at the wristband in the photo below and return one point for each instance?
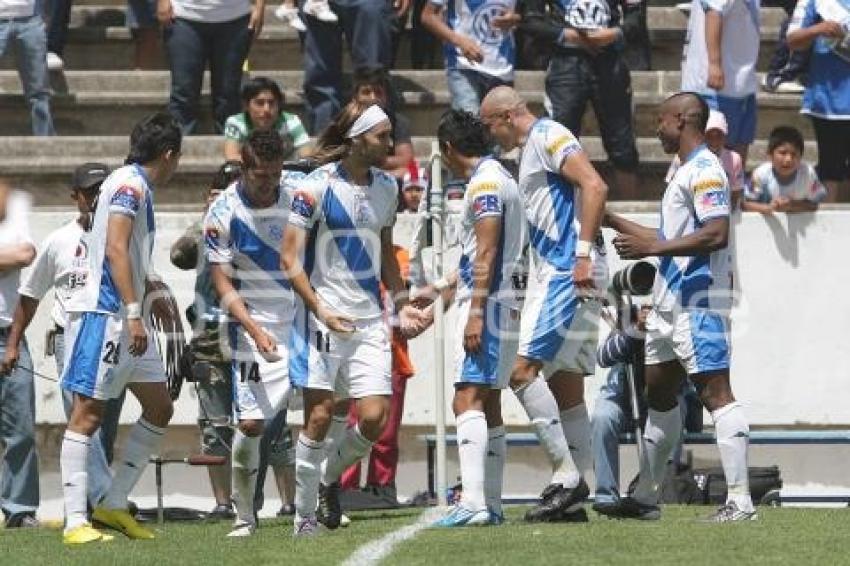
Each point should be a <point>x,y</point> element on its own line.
<point>583,248</point>
<point>134,310</point>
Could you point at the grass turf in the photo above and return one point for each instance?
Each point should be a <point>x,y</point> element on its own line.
<point>781,536</point>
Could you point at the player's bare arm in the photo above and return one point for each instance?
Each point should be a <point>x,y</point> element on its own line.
<point>234,305</point>
<point>487,231</point>
<point>714,235</point>
<point>118,233</point>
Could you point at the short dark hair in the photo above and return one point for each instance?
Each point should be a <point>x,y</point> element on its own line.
<point>698,118</point>
<point>465,132</point>
<point>256,85</point>
<point>152,137</point>
<point>785,134</point>
<point>374,75</point>
<point>264,147</point>
<point>230,171</point>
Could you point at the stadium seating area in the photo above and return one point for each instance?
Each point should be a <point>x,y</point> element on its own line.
<point>98,97</point>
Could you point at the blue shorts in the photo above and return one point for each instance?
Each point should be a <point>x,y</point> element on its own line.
<point>492,365</point>
<point>697,338</point>
<point>741,115</point>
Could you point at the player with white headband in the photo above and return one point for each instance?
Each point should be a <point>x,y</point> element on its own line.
<point>336,249</point>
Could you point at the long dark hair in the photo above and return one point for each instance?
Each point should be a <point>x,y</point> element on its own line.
<point>332,144</point>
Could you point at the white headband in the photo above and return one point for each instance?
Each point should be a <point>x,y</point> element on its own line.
<point>368,120</point>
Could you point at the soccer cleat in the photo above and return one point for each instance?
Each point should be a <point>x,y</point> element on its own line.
<point>731,513</point>
<point>307,527</point>
<point>577,516</point>
<point>557,500</point>
<point>321,11</point>
<point>121,521</point>
<point>221,512</point>
<point>495,518</point>
<point>628,508</point>
<point>460,516</point>
<point>242,529</point>
<point>84,534</point>
<point>329,512</point>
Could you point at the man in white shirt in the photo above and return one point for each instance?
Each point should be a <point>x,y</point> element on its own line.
<point>21,26</point>
<point>719,63</point>
<point>19,485</point>
<point>201,32</point>
<point>54,268</point>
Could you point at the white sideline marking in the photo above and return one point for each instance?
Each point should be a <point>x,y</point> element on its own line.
<point>376,550</point>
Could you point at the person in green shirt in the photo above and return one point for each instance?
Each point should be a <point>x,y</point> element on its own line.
<point>262,102</point>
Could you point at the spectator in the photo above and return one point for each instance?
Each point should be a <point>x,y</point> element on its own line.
<point>57,32</point>
<point>479,46</point>
<point>262,109</point>
<point>786,67</point>
<point>366,26</point>
<point>638,51</point>
<point>383,458</point>
<point>19,493</point>
<point>423,45</point>
<point>55,268</point>
<point>144,29</point>
<point>198,32</point>
<point>587,65</point>
<point>784,184</point>
<point>372,85</point>
<point>21,27</point>
<point>720,63</point>
<point>413,185</point>
<point>825,27</point>
<point>715,138</point>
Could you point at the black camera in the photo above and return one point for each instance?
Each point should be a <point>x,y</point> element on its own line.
<point>635,279</point>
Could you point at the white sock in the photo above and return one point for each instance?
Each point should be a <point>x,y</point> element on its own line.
<point>335,436</point>
<point>540,406</point>
<point>576,425</point>
<point>143,441</point>
<point>245,462</point>
<point>309,455</point>
<point>100,476</point>
<point>494,468</point>
<point>350,449</point>
<point>661,436</point>
<point>73,462</point>
<point>733,436</point>
<point>472,453</point>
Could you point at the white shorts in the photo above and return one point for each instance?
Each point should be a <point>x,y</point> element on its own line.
<point>260,386</point>
<point>492,365</point>
<point>557,328</point>
<point>354,365</point>
<point>97,363</point>
<point>697,338</point>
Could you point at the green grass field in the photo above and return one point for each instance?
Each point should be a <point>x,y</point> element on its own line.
<point>781,536</point>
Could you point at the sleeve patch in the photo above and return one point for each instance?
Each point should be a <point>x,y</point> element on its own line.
<point>127,198</point>
<point>303,204</point>
<point>482,187</point>
<point>486,204</point>
<point>559,144</point>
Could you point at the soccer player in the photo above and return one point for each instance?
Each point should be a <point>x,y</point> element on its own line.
<point>558,331</point>
<point>488,314</point>
<point>341,223</point>
<point>243,231</point>
<point>107,343</point>
<point>689,322</point>
<point>55,267</point>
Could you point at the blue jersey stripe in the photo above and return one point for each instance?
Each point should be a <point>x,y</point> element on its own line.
<point>265,256</point>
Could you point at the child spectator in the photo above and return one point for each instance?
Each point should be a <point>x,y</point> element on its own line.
<point>716,130</point>
<point>262,101</point>
<point>413,184</point>
<point>784,184</point>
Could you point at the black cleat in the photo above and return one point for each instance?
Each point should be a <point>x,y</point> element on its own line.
<point>329,512</point>
<point>577,516</point>
<point>555,501</point>
<point>221,512</point>
<point>628,508</point>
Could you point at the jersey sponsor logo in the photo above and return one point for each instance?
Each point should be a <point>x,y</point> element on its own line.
<point>303,204</point>
<point>708,185</point>
<point>126,197</point>
<point>714,199</point>
<point>483,187</point>
<point>482,24</point>
<point>559,143</point>
<point>486,204</point>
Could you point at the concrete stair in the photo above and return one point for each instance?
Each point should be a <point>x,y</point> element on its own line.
<point>43,166</point>
<point>110,102</point>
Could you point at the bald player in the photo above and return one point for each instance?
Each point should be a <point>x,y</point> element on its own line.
<point>564,200</point>
<point>689,324</point>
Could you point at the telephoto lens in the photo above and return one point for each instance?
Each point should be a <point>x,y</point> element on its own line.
<point>636,279</point>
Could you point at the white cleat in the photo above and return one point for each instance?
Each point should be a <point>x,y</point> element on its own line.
<point>54,62</point>
<point>242,529</point>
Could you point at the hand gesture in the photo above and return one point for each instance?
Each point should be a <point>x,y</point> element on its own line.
<point>10,360</point>
<point>335,321</point>
<point>633,247</point>
<point>138,337</point>
<point>470,49</point>
<point>473,331</point>
<point>716,79</point>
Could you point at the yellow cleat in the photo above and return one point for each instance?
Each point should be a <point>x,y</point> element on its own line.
<point>85,534</point>
<point>122,521</point>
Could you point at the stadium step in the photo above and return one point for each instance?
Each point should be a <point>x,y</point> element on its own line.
<point>43,166</point>
<point>109,103</point>
<point>110,47</point>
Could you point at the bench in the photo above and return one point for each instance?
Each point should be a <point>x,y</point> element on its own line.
<point>760,437</point>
